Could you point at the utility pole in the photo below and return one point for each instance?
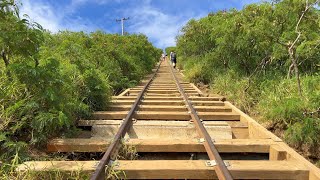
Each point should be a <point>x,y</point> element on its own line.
<point>122,24</point>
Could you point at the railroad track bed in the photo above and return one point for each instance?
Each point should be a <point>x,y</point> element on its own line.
<point>177,133</point>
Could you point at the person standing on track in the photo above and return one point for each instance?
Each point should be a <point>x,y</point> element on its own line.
<point>163,57</point>
<point>173,57</point>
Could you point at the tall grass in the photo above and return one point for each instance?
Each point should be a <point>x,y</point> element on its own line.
<point>277,101</point>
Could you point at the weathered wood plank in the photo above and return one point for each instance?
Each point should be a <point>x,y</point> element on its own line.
<point>164,83</point>
<point>196,88</point>
<point>238,132</point>
<point>232,124</point>
<point>170,102</point>
<point>154,108</point>
<point>159,145</point>
<point>226,116</point>
<point>207,103</point>
<point>179,169</point>
<point>255,129</point>
<point>164,91</point>
<point>124,92</point>
<point>142,115</point>
<point>292,155</point>
<point>169,108</point>
<point>162,102</point>
<point>159,94</point>
<point>277,153</point>
<point>169,98</point>
<point>162,115</point>
<point>212,109</point>
<point>166,115</point>
<point>159,88</point>
<point>172,87</point>
<point>149,102</point>
<point>164,131</point>
<point>186,170</point>
<point>258,131</point>
<point>171,94</point>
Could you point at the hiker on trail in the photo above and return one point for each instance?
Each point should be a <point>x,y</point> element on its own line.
<point>163,56</point>
<point>173,57</point>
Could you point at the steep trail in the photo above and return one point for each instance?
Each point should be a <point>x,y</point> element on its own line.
<point>169,143</point>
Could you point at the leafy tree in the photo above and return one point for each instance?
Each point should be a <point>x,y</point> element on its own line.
<point>250,56</point>
<point>170,49</point>
<point>55,79</point>
<point>18,37</point>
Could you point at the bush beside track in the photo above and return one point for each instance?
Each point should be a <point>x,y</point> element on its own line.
<point>48,81</point>
<point>245,55</point>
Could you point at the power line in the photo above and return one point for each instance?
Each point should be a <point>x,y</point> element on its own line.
<point>122,24</point>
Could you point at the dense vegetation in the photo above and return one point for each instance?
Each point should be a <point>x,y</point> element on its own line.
<point>48,81</point>
<point>266,58</point>
<point>170,49</point>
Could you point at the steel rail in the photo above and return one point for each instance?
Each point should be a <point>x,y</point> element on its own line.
<point>100,172</point>
<point>220,168</point>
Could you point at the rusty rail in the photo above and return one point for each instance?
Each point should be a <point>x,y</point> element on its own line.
<point>220,168</point>
<point>100,172</point>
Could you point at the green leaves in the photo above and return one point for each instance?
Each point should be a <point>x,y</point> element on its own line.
<point>242,39</point>
<point>244,55</point>
<point>98,90</point>
<point>52,80</point>
<point>3,137</point>
<point>18,37</point>
<point>304,132</point>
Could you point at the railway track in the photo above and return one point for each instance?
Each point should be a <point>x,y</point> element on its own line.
<point>178,134</point>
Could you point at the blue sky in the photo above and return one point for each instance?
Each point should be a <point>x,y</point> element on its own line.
<point>160,20</point>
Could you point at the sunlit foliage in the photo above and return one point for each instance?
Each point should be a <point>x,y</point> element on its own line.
<point>245,54</point>
<point>48,81</point>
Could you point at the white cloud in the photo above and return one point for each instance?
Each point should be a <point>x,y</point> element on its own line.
<point>159,27</point>
<point>53,20</point>
<point>42,14</point>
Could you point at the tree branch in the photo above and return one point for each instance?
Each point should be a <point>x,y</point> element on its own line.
<point>249,78</point>
<point>5,58</point>
<point>299,21</point>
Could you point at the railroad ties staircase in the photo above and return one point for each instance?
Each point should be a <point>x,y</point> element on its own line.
<point>162,125</point>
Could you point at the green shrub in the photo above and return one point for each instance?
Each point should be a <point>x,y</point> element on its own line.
<point>244,54</point>
<point>240,90</point>
<point>281,103</point>
<point>52,105</point>
<point>98,90</point>
<point>49,81</point>
<point>195,70</point>
<point>306,131</point>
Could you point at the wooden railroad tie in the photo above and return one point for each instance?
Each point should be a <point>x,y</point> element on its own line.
<point>164,114</point>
